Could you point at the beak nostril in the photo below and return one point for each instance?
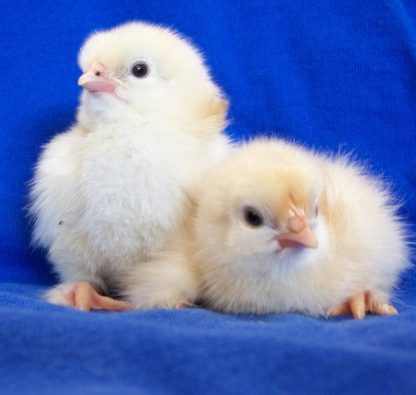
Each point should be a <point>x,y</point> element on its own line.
<point>296,224</point>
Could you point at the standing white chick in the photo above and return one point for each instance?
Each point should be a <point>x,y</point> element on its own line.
<point>280,229</point>
<point>107,192</point>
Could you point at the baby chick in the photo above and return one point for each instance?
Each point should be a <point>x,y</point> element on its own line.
<point>279,228</point>
<point>107,192</point>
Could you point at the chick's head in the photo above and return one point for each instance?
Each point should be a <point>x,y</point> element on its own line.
<point>262,207</point>
<point>150,71</point>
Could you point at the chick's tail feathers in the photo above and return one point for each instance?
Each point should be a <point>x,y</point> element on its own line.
<point>165,281</point>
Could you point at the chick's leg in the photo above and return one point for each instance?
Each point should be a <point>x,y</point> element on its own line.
<point>362,303</point>
<point>83,296</point>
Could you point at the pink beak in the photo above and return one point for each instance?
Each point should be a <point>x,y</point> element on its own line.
<point>300,234</point>
<point>96,79</point>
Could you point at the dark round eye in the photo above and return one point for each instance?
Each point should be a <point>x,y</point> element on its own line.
<point>140,69</point>
<point>253,217</point>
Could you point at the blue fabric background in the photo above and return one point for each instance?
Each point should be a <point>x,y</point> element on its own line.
<point>336,75</point>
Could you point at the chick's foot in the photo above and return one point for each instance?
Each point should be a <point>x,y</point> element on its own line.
<point>361,304</point>
<point>83,296</point>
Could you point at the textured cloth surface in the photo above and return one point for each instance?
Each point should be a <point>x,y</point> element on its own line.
<point>338,76</point>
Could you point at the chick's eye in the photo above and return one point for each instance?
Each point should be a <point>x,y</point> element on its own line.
<point>253,217</point>
<point>140,69</point>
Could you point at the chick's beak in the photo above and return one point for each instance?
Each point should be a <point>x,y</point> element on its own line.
<point>96,79</point>
<point>299,235</point>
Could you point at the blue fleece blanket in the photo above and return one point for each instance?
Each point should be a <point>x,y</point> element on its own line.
<point>335,75</point>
